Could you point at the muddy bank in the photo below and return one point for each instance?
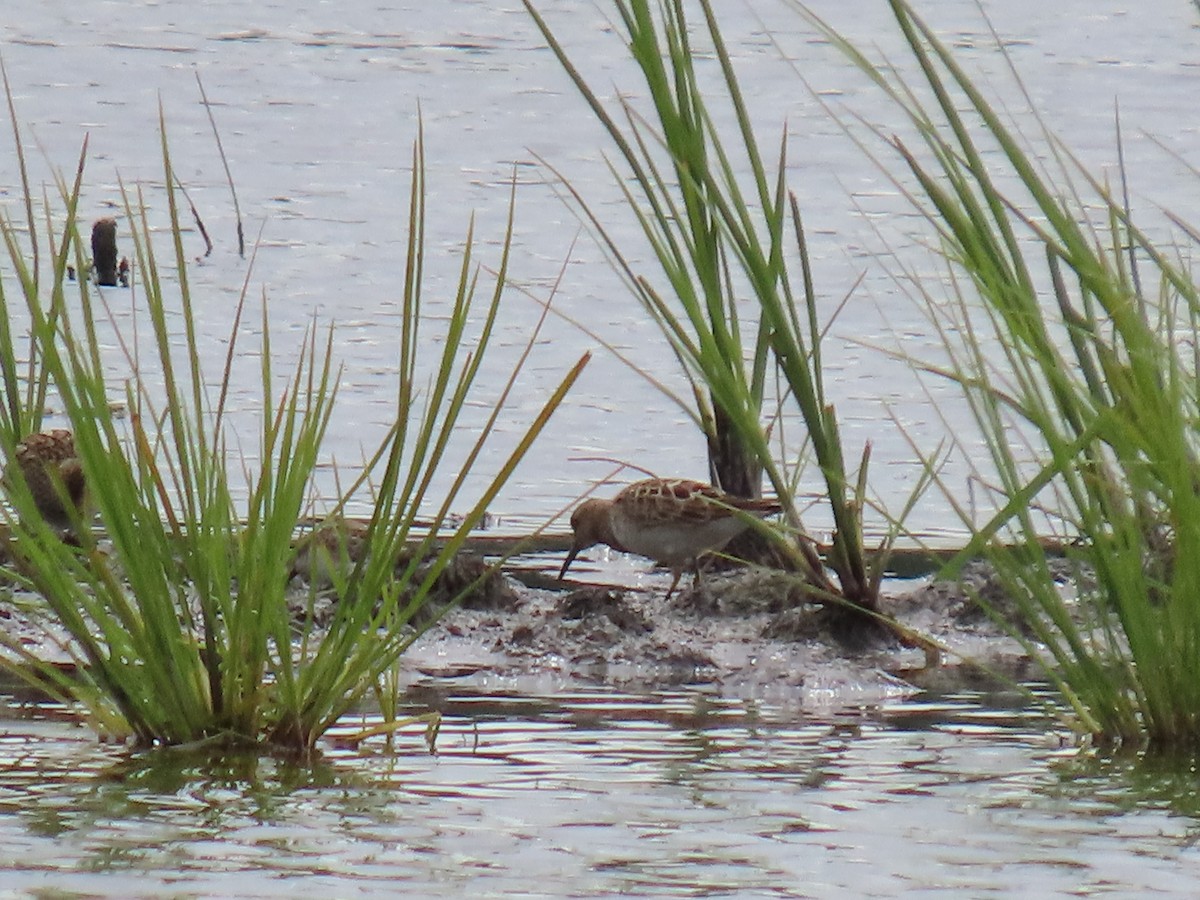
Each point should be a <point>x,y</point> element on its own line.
<point>749,633</point>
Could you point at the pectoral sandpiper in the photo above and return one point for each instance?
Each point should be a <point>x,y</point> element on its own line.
<point>53,474</point>
<point>670,520</point>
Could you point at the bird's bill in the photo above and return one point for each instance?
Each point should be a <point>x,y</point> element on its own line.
<point>567,563</point>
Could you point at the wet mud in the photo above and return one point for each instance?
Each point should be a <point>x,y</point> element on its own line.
<point>749,632</point>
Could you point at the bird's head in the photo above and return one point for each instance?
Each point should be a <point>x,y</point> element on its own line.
<point>591,525</point>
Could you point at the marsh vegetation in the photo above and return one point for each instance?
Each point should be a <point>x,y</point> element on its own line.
<point>1065,323</point>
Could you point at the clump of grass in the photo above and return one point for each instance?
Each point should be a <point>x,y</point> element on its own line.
<point>1085,345</point>
<point>180,625</point>
<point>717,241</point>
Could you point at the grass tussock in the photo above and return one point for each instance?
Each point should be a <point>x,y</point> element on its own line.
<point>734,294</point>
<point>1075,331</point>
<point>178,616</point>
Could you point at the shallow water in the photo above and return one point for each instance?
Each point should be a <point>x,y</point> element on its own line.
<point>317,107</point>
<point>551,792</point>
<point>675,794</point>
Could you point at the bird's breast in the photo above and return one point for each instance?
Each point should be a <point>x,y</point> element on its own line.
<point>674,542</point>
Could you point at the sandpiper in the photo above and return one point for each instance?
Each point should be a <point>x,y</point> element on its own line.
<point>670,520</point>
<point>329,551</point>
<point>53,474</point>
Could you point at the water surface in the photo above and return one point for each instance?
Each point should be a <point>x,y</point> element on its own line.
<point>581,794</point>
<point>568,792</point>
<point>317,105</point>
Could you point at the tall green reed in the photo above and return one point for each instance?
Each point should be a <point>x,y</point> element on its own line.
<point>723,226</point>
<point>1072,328</point>
<point>180,624</point>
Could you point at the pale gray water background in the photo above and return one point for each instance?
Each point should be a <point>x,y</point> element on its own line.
<point>317,108</point>
<point>670,794</point>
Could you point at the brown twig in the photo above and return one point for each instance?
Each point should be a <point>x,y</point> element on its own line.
<point>208,244</point>
<point>237,210</point>
<point>616,462</point>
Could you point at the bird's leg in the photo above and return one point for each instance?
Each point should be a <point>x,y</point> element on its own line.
<point>695,573</point>
<point>677,571</point>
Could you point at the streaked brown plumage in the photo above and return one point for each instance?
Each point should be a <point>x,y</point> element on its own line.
<point>333,547</point>
<point>670,520</point>
<point>54,475</point>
